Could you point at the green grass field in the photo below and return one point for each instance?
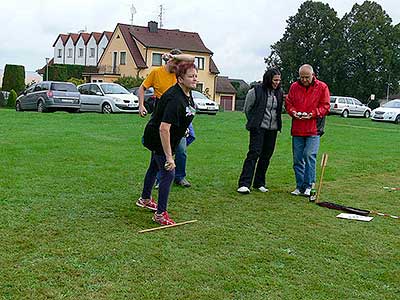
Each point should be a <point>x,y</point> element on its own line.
<point>68,220</point>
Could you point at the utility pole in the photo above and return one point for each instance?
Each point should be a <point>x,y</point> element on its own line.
<point>47,68</point>
<point>387,90</point>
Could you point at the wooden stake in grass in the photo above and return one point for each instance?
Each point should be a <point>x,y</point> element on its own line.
<point>167,226</point>
<point>323,165</point>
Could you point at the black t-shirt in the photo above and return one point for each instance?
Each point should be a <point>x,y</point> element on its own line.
<point>174,108</point>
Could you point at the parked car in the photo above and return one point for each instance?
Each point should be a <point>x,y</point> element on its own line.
<point>203,104</point>
<point>149,97</point>
<point>49,96</point>
<point>389,112</point>
<point>107,98</point>
<point>347,106</point>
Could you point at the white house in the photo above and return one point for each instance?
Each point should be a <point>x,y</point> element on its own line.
<point>105,38</point>
<point>92,49</point>
<point>70,52</point>
<point>80,49</point>
<point>59,48</point>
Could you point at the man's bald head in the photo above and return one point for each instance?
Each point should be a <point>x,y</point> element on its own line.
<point>306,73</point>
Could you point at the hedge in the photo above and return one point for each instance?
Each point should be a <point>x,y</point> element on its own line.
<point>14,78</point>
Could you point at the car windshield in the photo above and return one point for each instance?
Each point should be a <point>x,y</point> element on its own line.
<point>392,104</point>
<point>333,100</point>
<point>113,89</point>
<point>63,87</point>
<point>197,94</point>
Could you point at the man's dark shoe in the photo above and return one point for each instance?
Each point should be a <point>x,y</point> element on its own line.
<point>183,182</point>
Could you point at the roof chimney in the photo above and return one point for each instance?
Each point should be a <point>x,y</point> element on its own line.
<point>153,26</point>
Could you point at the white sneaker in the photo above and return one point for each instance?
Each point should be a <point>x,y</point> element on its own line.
<point>296,192</point>
<point>243,190</point>
<point>263,189</point>
<point>307,192</point>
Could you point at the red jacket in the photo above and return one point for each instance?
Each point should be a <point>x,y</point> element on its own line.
<point>314,99</point>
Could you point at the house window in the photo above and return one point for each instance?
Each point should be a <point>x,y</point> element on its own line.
<point>122,58</point>
<point>156,61</point>
<point>92,50</point>
<point>69,52</point>
<point>199,62</point>
<point>80,52</point>
<point>199,87</point>
<point>59,53</point>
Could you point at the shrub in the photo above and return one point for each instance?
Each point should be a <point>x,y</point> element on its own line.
<point>2,100</point>
<point>11,99</point>
<point>65,72</point>
<point>129,82</point>
<point>76,81</point>
<point>14,78</point>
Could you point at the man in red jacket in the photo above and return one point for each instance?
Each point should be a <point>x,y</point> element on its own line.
<point>308,100</point>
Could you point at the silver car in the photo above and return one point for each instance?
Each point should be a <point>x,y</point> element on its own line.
<point>107,98</point>
<point>389,112</point>
<point>347,106</point>
<point>203,104</point>
<point>49,96</point>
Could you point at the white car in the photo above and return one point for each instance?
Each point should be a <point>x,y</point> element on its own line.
<point>107,98</point>
<point>389,112</point>
<point>203,104</point>
<point>347,106</point>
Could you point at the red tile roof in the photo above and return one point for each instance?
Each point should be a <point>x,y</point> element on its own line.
<point>163,39</point>
<point>97,36</point>
<point>224,86</point>
<point>74,37</point>
<point>132,46</point>
<point>85,36</point>
<point>168,39</point>
<point>64,38</point>
<point>213,67</point>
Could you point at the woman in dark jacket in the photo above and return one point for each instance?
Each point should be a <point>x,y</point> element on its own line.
<point>263,108</point>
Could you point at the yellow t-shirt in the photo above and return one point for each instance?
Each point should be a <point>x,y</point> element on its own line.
<point>160,79</point>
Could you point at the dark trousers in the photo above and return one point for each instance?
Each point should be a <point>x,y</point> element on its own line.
<point>261,148</point>
<point>157,163</point>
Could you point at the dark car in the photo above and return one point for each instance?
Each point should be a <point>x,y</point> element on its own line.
<point>49,96</point>
<point>149,97</point>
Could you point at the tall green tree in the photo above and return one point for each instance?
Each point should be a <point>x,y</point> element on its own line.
<point>371,51</point>
<point>14,78</point>
<point>312,36</point>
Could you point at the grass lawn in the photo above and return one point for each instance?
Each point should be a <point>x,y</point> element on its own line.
<point>68,220</point>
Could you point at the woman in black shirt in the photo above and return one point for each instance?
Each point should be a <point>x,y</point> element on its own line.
<point>170,120</point>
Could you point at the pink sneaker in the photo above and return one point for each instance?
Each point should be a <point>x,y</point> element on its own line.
<point>163,218</point>
<point>147,203</point>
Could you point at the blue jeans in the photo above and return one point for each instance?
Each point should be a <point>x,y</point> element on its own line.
<point>166,177</point>
<point>305,150</point>
<point>180,161</point>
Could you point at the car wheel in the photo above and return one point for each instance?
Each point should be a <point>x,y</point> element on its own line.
<point>18,106</point>
<point>367,114</point>
<point>397,121</point>
<point>40,107</point>
<point>345,113</point>
<point>106,108</point>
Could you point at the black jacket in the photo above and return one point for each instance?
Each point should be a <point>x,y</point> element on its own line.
<point>256,114</point>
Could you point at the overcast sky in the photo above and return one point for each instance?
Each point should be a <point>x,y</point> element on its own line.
<point>238,32</point>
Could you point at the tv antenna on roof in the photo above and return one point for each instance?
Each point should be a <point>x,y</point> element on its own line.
<point>133,11</point>
<point>160,16</point>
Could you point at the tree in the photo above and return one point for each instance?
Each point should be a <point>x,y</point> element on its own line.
<point>312,36</point>
<point>129,82</point>
<point>371,51</point>
<point>11,99</point>
<point>14,78</point>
